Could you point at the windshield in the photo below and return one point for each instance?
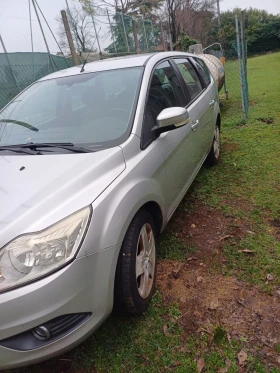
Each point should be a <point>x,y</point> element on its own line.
<point>92,109</point>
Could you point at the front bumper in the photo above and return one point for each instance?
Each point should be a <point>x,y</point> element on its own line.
<point>85,285</point>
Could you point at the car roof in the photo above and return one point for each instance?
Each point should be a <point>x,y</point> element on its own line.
<point>114,63</point>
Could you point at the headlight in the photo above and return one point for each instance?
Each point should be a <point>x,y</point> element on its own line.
<point>34,255</point>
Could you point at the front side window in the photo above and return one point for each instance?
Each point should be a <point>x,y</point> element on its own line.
<point>92,109</point>
<point>165,91</point>
<point>190,77</point>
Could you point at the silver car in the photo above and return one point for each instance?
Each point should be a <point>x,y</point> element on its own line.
<point>93,164</point>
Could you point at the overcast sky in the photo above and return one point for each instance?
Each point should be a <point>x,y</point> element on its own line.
<point>15,30</point>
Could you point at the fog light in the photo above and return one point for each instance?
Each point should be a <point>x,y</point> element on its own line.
<point>46,333</point>
<point>41,332</point>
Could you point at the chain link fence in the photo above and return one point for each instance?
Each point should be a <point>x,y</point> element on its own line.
<point>234,95</point>
<point>19,70</point>
<point>118,34</point>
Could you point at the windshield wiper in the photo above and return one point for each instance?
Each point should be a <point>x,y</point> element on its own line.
<point>61,145</point>
<point>23,124</point>
<point>20,150</point>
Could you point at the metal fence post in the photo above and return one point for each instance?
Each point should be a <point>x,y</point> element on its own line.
<point>43,34</point>
<point>135,36</point>
<point>31,37</point>
<point>96,34</point>
<point>244,47</point>
<point>162,37</point>
<point>244,56</point>
<point>147,46</point>
<point>244,116</point>
<point>154,39</point>
<point>111,31</point>
<point>126,40</point>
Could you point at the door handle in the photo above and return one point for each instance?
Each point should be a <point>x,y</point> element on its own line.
<point>212,103</point>
<point>195,124</point>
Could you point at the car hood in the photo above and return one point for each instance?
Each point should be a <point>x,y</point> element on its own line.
<point>38,190</point>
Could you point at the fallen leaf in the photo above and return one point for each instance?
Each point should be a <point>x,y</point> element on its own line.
<point>247,251</point>
<point>225,237</point>
<point>229,339</point>
<point>214,304</point>
<point>241,301</point>
<point>193,225</point>
<point>165,330</point>
<point>269,277</point>
<point>176,364</point>
<point>242,357</point>
<point>199,279</point>
<point>183,299</point>
<point>250,232</point>
<point>200,364</point>
<point>183,349</point>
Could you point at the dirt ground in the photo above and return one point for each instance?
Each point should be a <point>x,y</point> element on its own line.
<point>207,298</point>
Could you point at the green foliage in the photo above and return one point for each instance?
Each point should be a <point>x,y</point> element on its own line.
<point>262,30</point>
<point>184,42</point>
<point>123,34</point>
<point>145,7</point>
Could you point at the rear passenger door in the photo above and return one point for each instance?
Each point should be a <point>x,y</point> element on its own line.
<point>199,98</point>
<point>209,97</point>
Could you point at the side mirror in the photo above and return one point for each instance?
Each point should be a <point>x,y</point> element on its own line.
<point>171,118</point>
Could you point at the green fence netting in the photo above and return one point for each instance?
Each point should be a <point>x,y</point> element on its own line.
<point>19,70</point>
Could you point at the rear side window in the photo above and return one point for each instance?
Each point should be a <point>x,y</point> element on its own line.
<point>190,77</point>
<point>203,71</point>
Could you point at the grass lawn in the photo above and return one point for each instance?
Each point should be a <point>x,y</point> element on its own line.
<point>216,305</point>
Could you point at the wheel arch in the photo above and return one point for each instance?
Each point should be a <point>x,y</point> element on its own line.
<point>154,209</point>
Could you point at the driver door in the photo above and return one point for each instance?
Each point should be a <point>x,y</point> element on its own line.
<point>176,147</point>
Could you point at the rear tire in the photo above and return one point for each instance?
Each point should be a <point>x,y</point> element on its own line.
<point>214,154</point>
<point>136,268</point>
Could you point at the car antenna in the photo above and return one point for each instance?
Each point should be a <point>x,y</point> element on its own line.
<point>85,61</point>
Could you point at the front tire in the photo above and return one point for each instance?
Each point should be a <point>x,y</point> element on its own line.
<point>136,268</point>
<point>214,154</point>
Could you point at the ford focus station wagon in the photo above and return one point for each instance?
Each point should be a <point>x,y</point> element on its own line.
<point>93,164</point>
